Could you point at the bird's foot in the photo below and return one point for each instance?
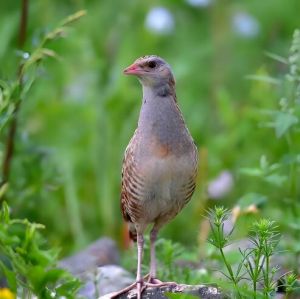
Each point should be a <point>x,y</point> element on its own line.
<point>154,282</point>
<point>138,285</point>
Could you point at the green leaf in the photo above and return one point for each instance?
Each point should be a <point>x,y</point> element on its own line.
<point>56,33</point>
<point>74,17</point>
<point>255,172</point>
<point>263,162</point>
<point>53,275</point>
<point>265,79</point>
<point>69,287</point>
<point>37,56</point>
<point>276,179</point>
<point>10,276</point>
<point>42,257</point>
<point>4,84</point>
<point>251,199</point>
<point>3,189</point>
<point>4,213</point>
<point>36,276</point>
<point>290,159</point>
<point>277,57</point>
<point>283,122</point>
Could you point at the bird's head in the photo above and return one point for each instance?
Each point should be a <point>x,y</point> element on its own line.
<point>151,71</point>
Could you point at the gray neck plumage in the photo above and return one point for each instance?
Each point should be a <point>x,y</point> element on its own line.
<point>159,113</point>
<point>164,89</point>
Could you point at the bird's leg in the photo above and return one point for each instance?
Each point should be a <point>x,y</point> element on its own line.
<point>152,280</point>
<point>153,236</point>
<point>139,279</point>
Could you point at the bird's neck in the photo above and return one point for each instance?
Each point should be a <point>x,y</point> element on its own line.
<point>159,112</point>
<point>162,90</point>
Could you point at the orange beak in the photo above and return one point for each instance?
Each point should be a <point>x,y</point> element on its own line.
<point>133,69</point>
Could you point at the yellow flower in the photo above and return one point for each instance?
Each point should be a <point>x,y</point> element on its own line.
<point>6,294</point>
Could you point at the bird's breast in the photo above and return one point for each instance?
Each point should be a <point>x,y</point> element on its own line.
<point>161,151</point>
<point>166,162</point>
<point>163,167</point>
<point>162,159</point>
<point>164,178</point>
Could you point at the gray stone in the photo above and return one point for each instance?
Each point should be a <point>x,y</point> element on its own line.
<point>101,277</point>
<point>104,280</point>
<point>197,291</point>
<point>102,252</point>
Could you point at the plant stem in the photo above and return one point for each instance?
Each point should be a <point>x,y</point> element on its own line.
<point>23,23</point>
<point>10,141</point>
<point>267,280</point>
<point>257,268</point>
<point>229,269</point>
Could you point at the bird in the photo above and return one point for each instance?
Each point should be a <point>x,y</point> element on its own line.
<point>160,162</point>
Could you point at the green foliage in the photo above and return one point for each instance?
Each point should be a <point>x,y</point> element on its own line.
<point>283,175</point>
<point>290,283</point>
<point>29,267</point>
<point>254,264</point>
<point>14,91</point>
<point>173,259</point>
<point>220,239</point>
<point>168,254</point>
<point>79,115</point>
<point>256,259</point>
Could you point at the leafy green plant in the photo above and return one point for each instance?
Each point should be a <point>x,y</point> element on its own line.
<point>26,262</point>
<point>34,163</point>
<point>254,264</point>
<point>282,175</point>
<point>290,283</point>
<point>264,239</point>
<point>14,92</point>
<point>173,259</point>
<point>220,240</point>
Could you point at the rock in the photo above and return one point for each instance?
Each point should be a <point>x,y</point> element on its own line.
<point>96,267</point>
<point>102,252</point>
<point>197,291</point>
<point>104,280</point>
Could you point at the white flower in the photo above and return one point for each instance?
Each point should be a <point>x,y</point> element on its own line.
<point>245,24</point>
<point>221,185</point>
<point>160,20</point>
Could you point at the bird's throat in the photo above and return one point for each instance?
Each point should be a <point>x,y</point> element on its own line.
<point>160,116</point>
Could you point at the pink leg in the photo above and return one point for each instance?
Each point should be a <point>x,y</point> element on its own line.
<point>153,236</point>
<point>152,280</point>
<point>139,278</point>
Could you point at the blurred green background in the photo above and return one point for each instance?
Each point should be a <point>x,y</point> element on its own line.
<point>76,121</point>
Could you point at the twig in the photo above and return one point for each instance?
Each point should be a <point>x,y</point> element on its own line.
<point>23,23</point>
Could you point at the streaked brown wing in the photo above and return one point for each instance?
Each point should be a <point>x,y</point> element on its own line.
<point>132,185</point>
<point>188,188</point>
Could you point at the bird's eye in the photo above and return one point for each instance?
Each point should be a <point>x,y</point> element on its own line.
<point>152,64</point>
